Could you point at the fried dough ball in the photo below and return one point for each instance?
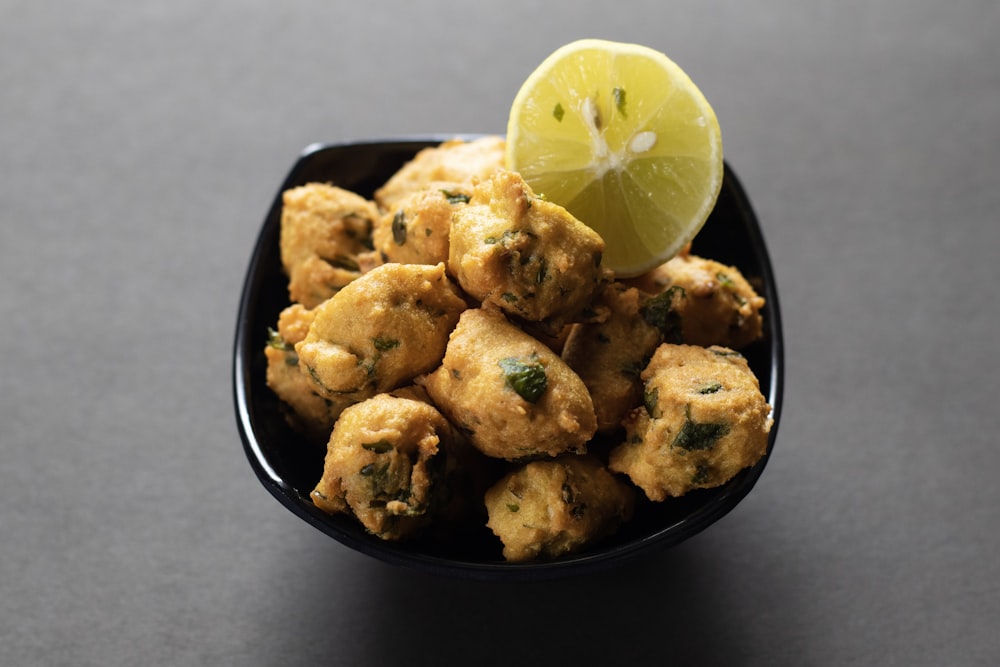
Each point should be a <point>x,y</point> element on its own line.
<point>455,160</point>
<point>309,413</point>
<point>713,303</point>
<point>385,462</point>
<point>380,331</point>
<point>609,355</point>
<point>547,509</point>
<point>323,231</point>
<point>529,257</point>
<point>704,420</point>
<point>509,393</point>
<point>415,229</point>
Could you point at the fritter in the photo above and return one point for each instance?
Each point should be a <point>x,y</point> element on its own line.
<point>323,231</point>
<point>609,354</point>
<point>456,161</point>
<point>380,331</point>
<point>385,462</point>
<point>709,303</point>
<point>415,229</point>
<point>308,412</point>
<point>547,509</point>
<point>704,420</point>
<point>509,393</point>
<point>527,256</point>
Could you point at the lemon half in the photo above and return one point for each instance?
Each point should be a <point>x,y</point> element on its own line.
<point>621,137</point>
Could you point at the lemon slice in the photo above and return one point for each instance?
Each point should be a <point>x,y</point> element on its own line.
<point>621,137</point>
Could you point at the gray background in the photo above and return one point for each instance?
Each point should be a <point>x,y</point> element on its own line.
<point>141,144</point>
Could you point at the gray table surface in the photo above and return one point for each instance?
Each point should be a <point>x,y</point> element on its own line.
<point>140,146</point>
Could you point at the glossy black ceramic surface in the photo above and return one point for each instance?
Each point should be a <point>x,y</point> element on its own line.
<point>289,468</point>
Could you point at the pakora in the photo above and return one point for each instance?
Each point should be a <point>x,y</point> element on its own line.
<point>527,256</point>
<point>704,419</point>
<point>546,509</point>
<point>510,394</point>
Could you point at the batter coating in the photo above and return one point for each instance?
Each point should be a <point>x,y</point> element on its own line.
<point>510,394</point>
<point>609,355</point>
<point>380,331</point>
<point>547,509</point>
<point>415,229</point>
<point>713,303</point>
<point>456,160</point>
<point>527,256</point>
<point>704,420</point>
<point>324,229</point>
<point>385,464</point>
<point>309,413</point>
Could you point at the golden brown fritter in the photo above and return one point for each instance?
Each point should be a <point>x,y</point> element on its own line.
<point>547,509</point>
<point>456,161</point>
<point>510,394</point>
<point>309,413</point>
<point>385,460</point>
<point>527,256</point>
<point>704,420</point>
<point>323,230</point>
<point>380,331</point>
<point>713,303</point>
<point>415,229</point>
<point>609,355</point>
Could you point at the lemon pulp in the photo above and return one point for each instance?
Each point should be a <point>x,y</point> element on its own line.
<point>621,137</point>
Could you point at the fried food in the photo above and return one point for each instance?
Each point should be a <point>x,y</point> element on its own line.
<point>323,231</point>
<point>456,161</point>
<point>547,509</point>
<point>384,461</point>
<point>380,331</point>
<point>467,360</point>
<point>704,420</point>
<point>510,394</point>
<point>525,255</point>
<point>308,412</point>
<point>415,230</point>
<point>609,355</point>
<point>713,304</point>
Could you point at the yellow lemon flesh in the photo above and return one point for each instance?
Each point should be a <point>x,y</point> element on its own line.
<point>622,138</point>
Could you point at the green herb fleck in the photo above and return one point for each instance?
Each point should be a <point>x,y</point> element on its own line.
<point>275,340</point>
<point>710,388</point>
<point>651,399</point>
<point>490,240</point>
<point>513,507</point>
<point>380,447</point>
<point>697,437</point>
<point>368,470</point>
<point>543,271</point>
<point>558,112</point>
<point>527,378</point>
<point>455,197</point>
<point>619,96</point>
<point>700,475</point>
<point>383,344</point>
<point>343,262</point>
<point>399,227</point>
<point>633,368</point>
<point>509,297</point>
<point>661,312</point>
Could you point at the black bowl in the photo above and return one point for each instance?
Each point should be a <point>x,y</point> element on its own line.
<point>289,467</point>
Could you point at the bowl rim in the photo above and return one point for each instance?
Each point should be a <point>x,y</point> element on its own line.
<point>667,536</point>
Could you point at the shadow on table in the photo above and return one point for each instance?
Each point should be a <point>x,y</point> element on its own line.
<point>675,607</point>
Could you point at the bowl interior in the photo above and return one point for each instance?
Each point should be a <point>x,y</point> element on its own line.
<point>289,467</point>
